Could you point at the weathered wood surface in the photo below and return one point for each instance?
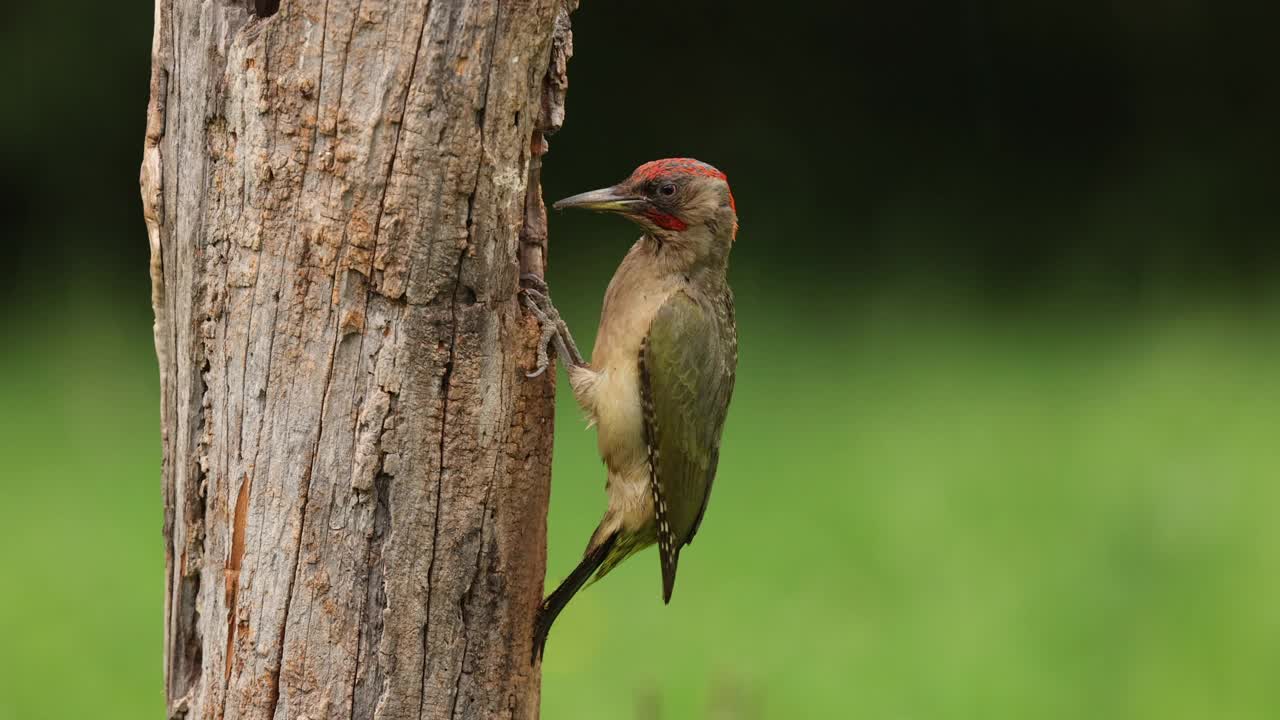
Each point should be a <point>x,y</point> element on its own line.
<point>339,199</point>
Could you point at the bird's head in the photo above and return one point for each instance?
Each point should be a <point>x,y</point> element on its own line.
<point>677,200</point>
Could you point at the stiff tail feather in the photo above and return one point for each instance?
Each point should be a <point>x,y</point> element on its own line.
<point>561,596</point>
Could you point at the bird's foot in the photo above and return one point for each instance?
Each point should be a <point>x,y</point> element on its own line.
<point>549,331</point>
<point>554,330</point>
<point>536,282</point>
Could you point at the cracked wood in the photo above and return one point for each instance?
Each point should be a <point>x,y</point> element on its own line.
<point>339,201</point>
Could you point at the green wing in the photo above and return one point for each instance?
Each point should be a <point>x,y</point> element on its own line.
<point>687,365</point>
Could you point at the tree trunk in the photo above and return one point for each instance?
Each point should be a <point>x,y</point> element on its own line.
<point>340,198</point>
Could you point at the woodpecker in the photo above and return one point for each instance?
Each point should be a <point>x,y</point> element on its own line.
<point>661,374</point>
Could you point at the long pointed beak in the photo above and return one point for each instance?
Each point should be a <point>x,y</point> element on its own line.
<point>607,200</point>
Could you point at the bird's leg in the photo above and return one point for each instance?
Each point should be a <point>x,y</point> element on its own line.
<point>554,329</point>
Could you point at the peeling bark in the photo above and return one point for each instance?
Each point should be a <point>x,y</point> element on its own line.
<point>339,200</point>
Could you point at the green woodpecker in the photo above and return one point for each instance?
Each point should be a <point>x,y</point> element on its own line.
<point>661,373</point>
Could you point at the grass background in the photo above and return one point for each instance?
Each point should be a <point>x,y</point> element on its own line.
<point>926,509</point>
<point>1006,437</point>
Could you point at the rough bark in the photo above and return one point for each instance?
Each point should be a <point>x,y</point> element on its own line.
<point>340,198</point>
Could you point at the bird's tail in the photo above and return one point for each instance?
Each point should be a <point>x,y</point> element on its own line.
<point>561,596</point>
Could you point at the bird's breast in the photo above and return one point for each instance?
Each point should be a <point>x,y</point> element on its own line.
<point>619,419</point>
<point>618,413</point>
<point>630,305</point>
<point>621,442</point>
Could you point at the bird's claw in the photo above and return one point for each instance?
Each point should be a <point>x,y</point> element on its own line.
<point>554,330</point>
<point>535,281</point>
<point>548,328</point>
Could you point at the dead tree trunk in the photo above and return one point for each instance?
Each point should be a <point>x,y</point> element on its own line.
<point>340,198</point>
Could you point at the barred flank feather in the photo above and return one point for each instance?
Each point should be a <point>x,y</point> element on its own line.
<point>668,546</point>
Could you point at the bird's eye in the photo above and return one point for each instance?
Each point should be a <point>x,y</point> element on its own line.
<point>667,189</point>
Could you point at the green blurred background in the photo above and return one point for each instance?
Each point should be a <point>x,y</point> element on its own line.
<point>1006,437</point>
